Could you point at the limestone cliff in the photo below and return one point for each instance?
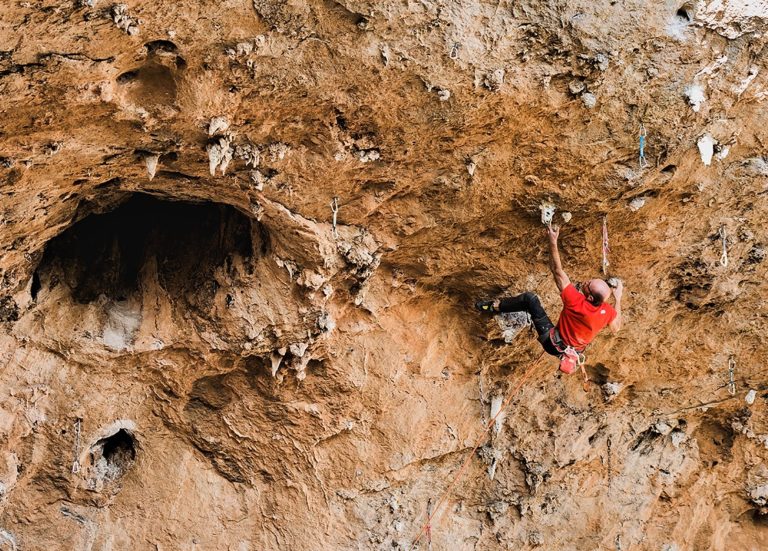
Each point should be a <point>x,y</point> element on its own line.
<point>241,241</point>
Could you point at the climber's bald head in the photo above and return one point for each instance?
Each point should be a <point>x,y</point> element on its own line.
<point>597,291</point>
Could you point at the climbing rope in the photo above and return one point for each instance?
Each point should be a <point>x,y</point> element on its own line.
<point>724,256</point>
<point>731,377</point>
<point>643,162</point>
<point>606,248</point>
<point>335,210</point>
<point>427,526</point>
<point>76,462</point>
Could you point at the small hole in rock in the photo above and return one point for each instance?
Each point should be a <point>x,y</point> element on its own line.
<point>118,448</point>
<point>684,13</point>
<point>158,46</point>
<point>670,169</point>
<point>127,77</point>
<point>111,457</point>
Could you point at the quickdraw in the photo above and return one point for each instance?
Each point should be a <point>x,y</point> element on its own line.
<point>643,162</point>
<point>335,210</point>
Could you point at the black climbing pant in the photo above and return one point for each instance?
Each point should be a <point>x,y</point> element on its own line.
<point>529,302</point>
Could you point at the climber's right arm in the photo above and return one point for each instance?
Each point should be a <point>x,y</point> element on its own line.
<point>561,278</point>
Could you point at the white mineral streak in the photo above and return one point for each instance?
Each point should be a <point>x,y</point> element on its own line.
<point>695,95</point>
<point>706,148</point>
<point>151,162</point>
<point>495,409</point>
<point>733,18</point>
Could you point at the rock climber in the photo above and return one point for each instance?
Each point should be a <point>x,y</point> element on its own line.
<point>585,310</point>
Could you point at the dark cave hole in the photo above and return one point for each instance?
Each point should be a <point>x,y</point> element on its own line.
<point>182,242</point>
<point>118,449</point>
<point>684,13</point>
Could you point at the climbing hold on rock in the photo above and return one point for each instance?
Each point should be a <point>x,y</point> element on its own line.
<point>636,204</point>
<point>750,397</point>
<point>547,212</point>
<point>566,216</point>
<point>217,125</point>
<point>589,100</point>
<point>494,80</point>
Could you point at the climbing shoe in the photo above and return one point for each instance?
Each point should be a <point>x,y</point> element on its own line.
<point>485,306</point>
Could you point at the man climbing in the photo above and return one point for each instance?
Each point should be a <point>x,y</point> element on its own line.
<point>584,313</point>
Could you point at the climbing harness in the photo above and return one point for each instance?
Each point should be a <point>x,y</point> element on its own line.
<point>643,162</point>
<point>335,210</point>
<point>724,256</point>
<point>76,462</point>
<point>571,359</point>
<point>606,248</point>
<point>731,379</point>
<point>431,517</point>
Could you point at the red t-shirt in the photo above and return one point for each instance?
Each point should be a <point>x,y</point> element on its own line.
<point>580,320</point>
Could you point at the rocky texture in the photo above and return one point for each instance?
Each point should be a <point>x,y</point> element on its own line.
<point>194,355</point>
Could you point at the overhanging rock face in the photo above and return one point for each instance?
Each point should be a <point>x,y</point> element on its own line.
<point>241,242</point>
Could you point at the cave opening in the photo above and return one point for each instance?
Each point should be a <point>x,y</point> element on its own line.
<point>119,448</point>
<point>181,242</point>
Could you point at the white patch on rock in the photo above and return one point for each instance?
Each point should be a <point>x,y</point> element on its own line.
<point>567,216</point>
<point>443,94</point>
<point>248,153</point>
<point>750,397</point>
<point>636,204</point>
<point>547,212</point>
<point>368,155</point>
<point>512,323</point>
<point>258,180</point>
<point>217,125</point>
<point>494,80</point>
<point>496,402</point>
<point>611,390</point>
<point>220,154</point>
<point>706,145</point>
<point>278,151</point>
<point>589,100</point>
<point>744,84</point>
<point>733,18</point>
<point>8,537</point>
<point>151,162</point>
<point>124,21</point>
<point>298,349</point>
<point>123,320</point>
<point>695,95</point>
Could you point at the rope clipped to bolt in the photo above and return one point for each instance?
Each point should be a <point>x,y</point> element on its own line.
<point>643,162</point>
<point>427,526</point>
